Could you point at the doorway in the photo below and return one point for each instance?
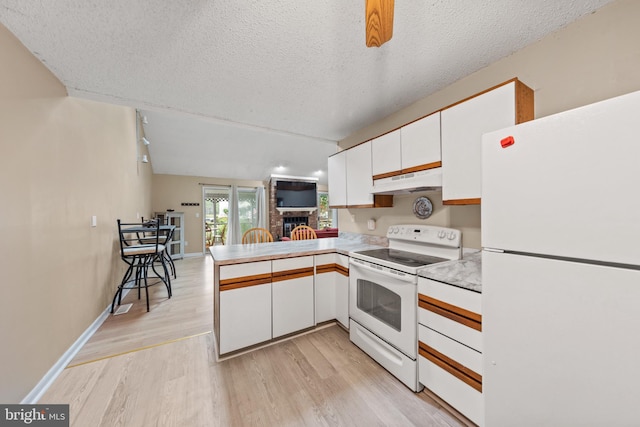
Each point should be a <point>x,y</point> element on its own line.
<point>216,215</point>
<point>216,212</point>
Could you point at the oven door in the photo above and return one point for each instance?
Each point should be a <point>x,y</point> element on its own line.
<point>385,302</point>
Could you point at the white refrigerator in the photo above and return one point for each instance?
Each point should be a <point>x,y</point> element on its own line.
<point>561,269</point>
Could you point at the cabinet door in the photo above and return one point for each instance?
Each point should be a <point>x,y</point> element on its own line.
<point>359,182</point>
<point>176,246</point>
<point>292,295</point>
<point>462,129</point>
<point>337,169</point>
<point>342,290</point>
<point>245,311</point>
<point>452,371</point>
<point>421,143</point>
<point>325,287</point>
<point>385,154</point>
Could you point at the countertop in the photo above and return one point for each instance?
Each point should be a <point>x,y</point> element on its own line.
<point>465,273</point>
<point>236,254</point>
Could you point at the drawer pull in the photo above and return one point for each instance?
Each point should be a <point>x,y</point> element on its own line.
<point>457,314</point>
<point>278,276</point>
<point>456,369</point>
<point>243,282</point>
<point>331,268</point>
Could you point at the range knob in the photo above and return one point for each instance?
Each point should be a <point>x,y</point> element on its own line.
<point>394,230</point>
<point>451,235</point>
<point>442,234</point>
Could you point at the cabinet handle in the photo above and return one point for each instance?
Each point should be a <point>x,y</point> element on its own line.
<point>456,369</point>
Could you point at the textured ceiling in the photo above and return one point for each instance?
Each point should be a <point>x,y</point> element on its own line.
<point>280,80</point>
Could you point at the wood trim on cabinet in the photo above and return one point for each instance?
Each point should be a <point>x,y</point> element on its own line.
<point>457,314</point>
<point>383,200</point>
<point>418,168</point>
<point>342,270</point>
<point>524,103</point>
<point>332,268</point>
<point>458,370</point>
<point>279,276</point>
<point>424,167</point>
<point>454,202</point>
<point>386,175</point>
<point>245,281</point>
<point>379,201</point>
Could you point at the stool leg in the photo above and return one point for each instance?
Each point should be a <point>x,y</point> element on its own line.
<point>167,277</point>
<point>146,285</point>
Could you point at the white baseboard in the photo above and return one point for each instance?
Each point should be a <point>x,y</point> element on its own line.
<point>53,373</point>
<point>193,254</point>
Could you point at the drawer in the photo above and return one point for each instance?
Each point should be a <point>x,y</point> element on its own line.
<point>451,311</point>
<point>245,270</point>
<point>287,264</point>
<point>451,328</point>
<point>465,356</point>
<point>460,396</point>
<point>452,371</point>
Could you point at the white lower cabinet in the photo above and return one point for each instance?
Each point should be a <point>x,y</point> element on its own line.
<point>450,346</point>
<point>292,295</point>
<point>260,301</point>
<point>332,288</point>
<point>245,305</point>
<point>325,287</point>
<point>342,290</point>
<point>450,370</point>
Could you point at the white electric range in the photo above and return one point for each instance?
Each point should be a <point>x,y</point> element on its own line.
<point>383,296</point>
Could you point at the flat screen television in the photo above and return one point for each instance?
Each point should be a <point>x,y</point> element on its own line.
<point>296,194</point>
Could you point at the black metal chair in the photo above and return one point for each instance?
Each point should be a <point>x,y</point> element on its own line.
<point>166,241</point>
<point>140,248</point>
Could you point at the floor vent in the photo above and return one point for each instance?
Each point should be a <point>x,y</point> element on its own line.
<point>122,309</point>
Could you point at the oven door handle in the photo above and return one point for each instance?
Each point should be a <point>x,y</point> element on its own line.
<point>404,277</point>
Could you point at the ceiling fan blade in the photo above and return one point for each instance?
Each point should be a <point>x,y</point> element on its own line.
<point>379,21</point>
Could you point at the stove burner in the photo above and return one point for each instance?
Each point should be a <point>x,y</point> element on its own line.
<point>409,259</point>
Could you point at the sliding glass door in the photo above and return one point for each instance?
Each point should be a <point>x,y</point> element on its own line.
<point>216,212</point>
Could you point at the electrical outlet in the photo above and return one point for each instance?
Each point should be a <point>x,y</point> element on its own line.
<point>186,243</point>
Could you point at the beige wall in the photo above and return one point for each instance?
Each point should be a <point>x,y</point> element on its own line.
<point>62,160</point>
<point>169,191</point>
<point>595,58</point>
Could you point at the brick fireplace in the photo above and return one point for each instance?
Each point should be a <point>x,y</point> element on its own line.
<point>281,223</point>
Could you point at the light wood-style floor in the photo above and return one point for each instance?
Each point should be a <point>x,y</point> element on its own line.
<point>161,378</point>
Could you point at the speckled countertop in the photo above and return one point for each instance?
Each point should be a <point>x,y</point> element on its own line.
<point>465,273</point>
<point>236,254</point>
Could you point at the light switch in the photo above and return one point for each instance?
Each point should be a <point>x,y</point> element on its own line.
<point>94,221</point>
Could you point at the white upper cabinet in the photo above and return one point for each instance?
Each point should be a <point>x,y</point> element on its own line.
<point>420,143</point>
<point>359,182</point>
<point>464,124</point>
<point>386,154</point>
<point>337,179</point>
<point>413,147</point>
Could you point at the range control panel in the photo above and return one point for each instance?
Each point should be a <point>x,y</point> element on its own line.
<point>428,234</point>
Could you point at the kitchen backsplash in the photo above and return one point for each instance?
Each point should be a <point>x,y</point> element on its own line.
<point>364,238</point>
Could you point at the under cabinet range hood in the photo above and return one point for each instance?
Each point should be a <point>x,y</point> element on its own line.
<point>426,180</point>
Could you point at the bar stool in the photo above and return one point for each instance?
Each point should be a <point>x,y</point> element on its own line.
<point>140,253</point>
